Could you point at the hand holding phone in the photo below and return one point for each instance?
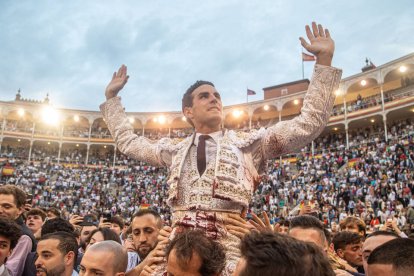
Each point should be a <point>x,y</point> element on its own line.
<point>105,221</point>
<point>75,220</point>
<point>29,199</point>
<point>107,217</point>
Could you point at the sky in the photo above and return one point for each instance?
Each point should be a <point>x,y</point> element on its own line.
<point>69,49</point>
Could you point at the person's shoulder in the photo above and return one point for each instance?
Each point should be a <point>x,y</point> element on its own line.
<point>5,272</point>
<point>24,238</point>
<point>243,139</point>
<point>173,144</point>
<point>29,265</point>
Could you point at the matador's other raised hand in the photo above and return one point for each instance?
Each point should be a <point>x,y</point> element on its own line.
<point>119,79</point>
<point>320,44</point>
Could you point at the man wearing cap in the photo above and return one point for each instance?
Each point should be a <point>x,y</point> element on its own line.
<point>215,171</point>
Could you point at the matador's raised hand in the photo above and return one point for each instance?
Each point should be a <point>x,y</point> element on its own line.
<point>320,43</point>
<point>117,83</point>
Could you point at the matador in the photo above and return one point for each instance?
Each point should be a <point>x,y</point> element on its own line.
<point>214,172</point>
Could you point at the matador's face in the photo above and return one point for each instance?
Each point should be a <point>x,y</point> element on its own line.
<point>207,109</point>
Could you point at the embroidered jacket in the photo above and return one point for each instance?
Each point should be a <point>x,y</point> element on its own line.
<point>241,157</point>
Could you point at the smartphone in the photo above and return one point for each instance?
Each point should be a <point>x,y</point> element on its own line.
<point>29,199</point>
<point>107,217</point>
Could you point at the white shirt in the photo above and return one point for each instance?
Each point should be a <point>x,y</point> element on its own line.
<point>133,260</point>
<point>211,144</point>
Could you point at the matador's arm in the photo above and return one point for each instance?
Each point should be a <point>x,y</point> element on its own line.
<point>129,143</point>
<point>292,135</point>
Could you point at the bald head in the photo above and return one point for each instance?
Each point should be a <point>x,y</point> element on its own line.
<point>373,241</point>
<point>107,257</point>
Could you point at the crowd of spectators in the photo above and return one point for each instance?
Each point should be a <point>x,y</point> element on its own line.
<point>75,131</point>
<point>372,179</point>
<point>374,100</point>
<point>19,126</point>
<point>368,187</point>
<point>38,241</point>
<point>372,174</point>
<point>81,190</point>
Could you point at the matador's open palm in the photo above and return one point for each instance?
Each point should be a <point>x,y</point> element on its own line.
<point>119,79</point>
<point>320,43</point>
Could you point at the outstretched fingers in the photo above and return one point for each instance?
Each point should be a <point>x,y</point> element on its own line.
<point>309,33</point>
<point>239,232</point>
<point>304,43</point>
<point>255,225</point>
<point>315,29</point>
<point>276,229</point>
<point>328,35</point>
<point>122,72</point>
<point>126,79</point>
<point>118,81</point>
<point>234,220</point>
<point>266,219</point>
<point>259,224</point>
<point>321,31</point>
<point>258,221</point>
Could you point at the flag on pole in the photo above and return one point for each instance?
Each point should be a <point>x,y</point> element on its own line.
<point>306,57</point>
<point>250,92</point>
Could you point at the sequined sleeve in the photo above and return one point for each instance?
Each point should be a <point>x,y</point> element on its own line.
<point>292,135</point>
<point>138,147</point>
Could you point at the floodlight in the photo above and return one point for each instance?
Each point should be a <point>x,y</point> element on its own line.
<point>161,119</point>
<point>237,113</point>
<point>403,69</point>
<point>50,116</point>
<point>20,112</point>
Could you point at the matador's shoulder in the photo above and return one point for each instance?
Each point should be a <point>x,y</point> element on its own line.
<point>174,144</point>
<point>242,139</point>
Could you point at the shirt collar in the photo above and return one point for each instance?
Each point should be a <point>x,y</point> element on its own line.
<point>215,136</point>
